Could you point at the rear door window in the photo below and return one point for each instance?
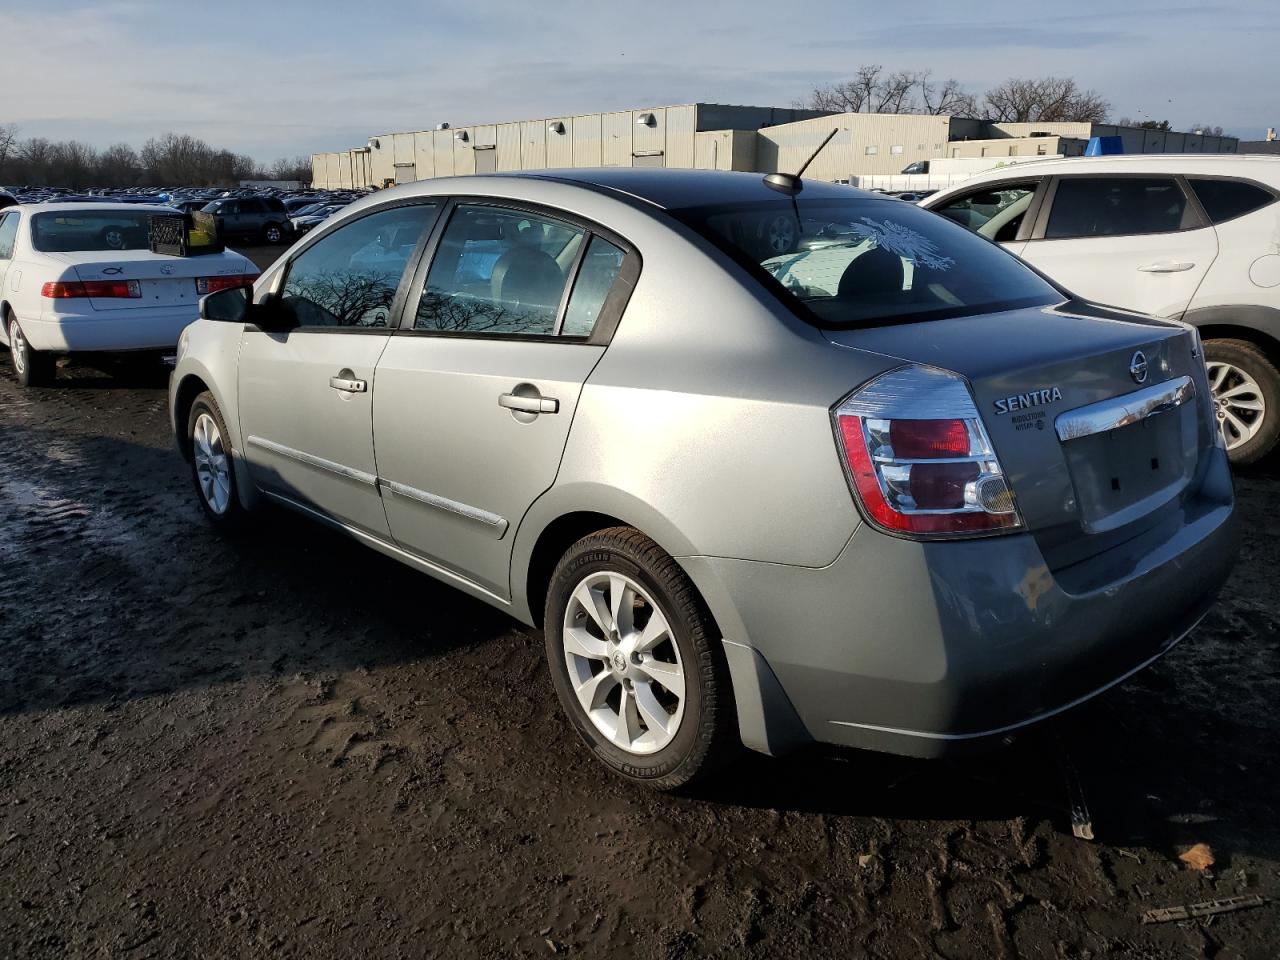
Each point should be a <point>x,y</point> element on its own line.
<point>1117,206</point>
<point>350,277</point>
<point>1225,200</point>
<point>499,272</point>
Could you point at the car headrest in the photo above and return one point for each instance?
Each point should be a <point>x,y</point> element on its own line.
<point>527,277</point>
<point>874,273</point>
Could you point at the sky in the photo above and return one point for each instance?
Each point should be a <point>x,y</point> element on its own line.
<point>280,78</point>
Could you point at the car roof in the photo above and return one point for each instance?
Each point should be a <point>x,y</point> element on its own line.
<point>84,206</point>
<point>674,189</point>
<point>1258,166</point>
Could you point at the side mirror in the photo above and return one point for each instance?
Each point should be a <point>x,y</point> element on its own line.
<point>230,306</point>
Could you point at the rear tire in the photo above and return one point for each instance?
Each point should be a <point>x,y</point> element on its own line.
<point>212,465</point>
<point>1243,379</point>
<point>34,368</point>
<point>650,633</point>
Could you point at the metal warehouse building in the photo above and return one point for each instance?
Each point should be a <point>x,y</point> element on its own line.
<point>711,136</point>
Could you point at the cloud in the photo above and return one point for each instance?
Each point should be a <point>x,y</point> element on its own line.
<point>298,77</point>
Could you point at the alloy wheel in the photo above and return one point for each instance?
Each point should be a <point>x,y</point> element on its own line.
<point>213,469</point>
<point>624,665</point>
<point>1238,402</point>
<point>17,347</point>
<point>781,235</point>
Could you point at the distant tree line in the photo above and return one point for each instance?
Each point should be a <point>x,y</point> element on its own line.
<point>168,160</point>
<point>873,89</point>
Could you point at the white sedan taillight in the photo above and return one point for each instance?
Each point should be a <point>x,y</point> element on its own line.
<point>918,458</point>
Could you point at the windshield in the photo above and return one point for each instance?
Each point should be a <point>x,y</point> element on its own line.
<point>861,262</point>
<point>90,230</point>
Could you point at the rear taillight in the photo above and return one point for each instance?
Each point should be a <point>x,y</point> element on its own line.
<point>919,459</point>
<point>102,289</point>
<point>214,284</point>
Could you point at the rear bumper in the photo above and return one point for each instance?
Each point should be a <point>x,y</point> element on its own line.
<point>152,328</point>
<point>928,649</point>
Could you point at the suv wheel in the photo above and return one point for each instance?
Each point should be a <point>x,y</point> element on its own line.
<point>212,470</point>
<point>273,233</point>
<point>33,367</point>
<point>635,661</point>
<point>1246,397</point>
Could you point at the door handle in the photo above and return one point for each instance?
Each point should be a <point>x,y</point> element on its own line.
<point>513,401</point>
<point>348,386</point>
<point>1167,266</point>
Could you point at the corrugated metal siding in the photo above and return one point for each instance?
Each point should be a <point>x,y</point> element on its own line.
<point>533,145</point>
<point>615,136</point>
<point>508,146</point>
<point>424,154</point>
<point>682,122</point>
<point>464,158</point>
<point>586,141</point>
<point>402,147</point>
<point>560,145</point>
<point>381,159</point>
<point>443,147</point>
<point>711,150</point>
<point>646,138</point>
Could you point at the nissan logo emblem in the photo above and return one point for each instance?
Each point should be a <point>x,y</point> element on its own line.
<point>1138,367</point>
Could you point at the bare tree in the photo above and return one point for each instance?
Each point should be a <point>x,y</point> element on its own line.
<point>1044,99</point>
<point>8,143</point>
<point>946,98</point>
<point>118,166</point>
<point>1207,129</point>
<point>874,90</point>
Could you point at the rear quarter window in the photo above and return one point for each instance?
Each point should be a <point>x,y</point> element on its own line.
<point>1225,200</point>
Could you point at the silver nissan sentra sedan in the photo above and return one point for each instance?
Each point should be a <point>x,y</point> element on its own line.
<point>769,461</point>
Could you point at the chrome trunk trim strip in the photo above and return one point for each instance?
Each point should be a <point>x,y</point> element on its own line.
<point>1121,411</point>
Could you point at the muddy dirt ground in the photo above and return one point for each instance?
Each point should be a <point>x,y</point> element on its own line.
<point>269,746</point>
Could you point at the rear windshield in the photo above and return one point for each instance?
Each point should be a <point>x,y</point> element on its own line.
<point>861,262</point>
<point>90,230</point>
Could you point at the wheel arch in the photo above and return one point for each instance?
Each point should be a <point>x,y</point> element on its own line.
<point>566,514</point>
<point>184,396</point>
<point>1252,323</point>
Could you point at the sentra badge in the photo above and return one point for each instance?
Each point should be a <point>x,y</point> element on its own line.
<point>1024,401</point>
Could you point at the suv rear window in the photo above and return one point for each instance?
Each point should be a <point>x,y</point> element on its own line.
<point>863,262</point>
<point>1225,200</point>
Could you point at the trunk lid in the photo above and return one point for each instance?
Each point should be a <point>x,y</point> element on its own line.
<point>163,281</point>
<point>1083,490</point>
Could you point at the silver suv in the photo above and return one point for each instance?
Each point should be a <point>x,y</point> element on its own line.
<point>769,462</point>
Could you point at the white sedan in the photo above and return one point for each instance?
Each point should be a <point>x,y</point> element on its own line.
<point>81,278</point>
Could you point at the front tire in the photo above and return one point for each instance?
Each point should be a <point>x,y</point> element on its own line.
<point>273,234</point>
<point>34,368</point>
<point>1246,398</point>
<point>212,467</point>
<point>635,661</point>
